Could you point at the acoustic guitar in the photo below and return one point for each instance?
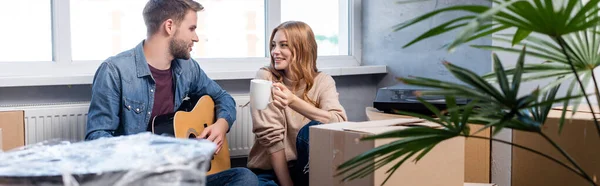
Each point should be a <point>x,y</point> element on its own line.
<point>190,124</point>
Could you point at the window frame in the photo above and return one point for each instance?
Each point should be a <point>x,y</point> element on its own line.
<point>62,70</point>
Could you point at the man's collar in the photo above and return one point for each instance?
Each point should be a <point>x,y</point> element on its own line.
<point>141,64</point>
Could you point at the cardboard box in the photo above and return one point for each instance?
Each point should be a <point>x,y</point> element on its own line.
<point>579,138</point>
<point>477,151</point>
<point>13,129</point>
<point>333,144</point>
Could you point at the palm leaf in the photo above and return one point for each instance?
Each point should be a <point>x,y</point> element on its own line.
<point>444,86</point>
<point>544,110</point>
<point>474,80</point>
<point>541,42</point>
<point>531,77</point>
<point>468,8</point>
<point>533,69</point>
<point>557,82</point>
<point>527,16</point>
<point>499,107</point>
<point>535,45</point>
<point>584,78</point>
<point>454,115</point>
<point>471,28</point>
<point>443,28</point>
<point>548,103</point>
<point>591,7</point>
<point>395,167</point>
<point>529,53</point>
<point>421,138</point>
<point>565,104</point>
<point>578,52</point>
<point>499,124</point>
<point>501,76</point>
<point>516,82</point>
<point>464,127</point>
<point>485,31</point>
<point>433,109</point>
<point>411,141</point>
<point>520,35</point>
<point>526,123</point>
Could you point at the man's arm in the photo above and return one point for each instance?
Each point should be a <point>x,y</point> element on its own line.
<point>224,103</point>
<point>103,115</point>
<point>224,106</point>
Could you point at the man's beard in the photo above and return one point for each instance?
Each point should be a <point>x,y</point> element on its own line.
<point>179,49</point>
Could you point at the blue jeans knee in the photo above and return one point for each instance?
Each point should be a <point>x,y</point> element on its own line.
<point>233,176</point>
<point>303,135</point>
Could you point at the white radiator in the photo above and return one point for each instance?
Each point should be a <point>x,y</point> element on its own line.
<point>68,122</point>
<point>240,137</point>
<point>54,121</point>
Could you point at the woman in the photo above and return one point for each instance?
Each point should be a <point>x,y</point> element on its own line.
<point>302,97</point>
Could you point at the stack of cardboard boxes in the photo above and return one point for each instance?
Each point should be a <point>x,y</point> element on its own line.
<point>579,138</point>
<point>477,151</point>
<point>452,162</point>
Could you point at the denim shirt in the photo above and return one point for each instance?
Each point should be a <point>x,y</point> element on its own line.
<point>123,93</point>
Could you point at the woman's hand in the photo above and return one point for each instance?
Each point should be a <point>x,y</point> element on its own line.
<point>282,96</point>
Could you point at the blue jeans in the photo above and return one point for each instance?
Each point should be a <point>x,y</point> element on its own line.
<point>233,176</point>
<point>299,169</point>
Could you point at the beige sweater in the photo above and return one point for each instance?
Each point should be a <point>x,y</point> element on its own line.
<point>277,129</point>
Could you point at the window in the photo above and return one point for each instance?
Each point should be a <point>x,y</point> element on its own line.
<point>230,29</point>
<point>62,42</point>
<point>226,28</point>
<point>27,35</point>
<point>328,20</point>
<point>102,28</point>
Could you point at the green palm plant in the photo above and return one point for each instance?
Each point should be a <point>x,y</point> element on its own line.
<point>565,36</point>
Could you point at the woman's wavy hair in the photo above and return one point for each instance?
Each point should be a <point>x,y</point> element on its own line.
<point>303,62</point>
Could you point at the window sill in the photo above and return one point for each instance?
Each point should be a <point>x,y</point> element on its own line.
<point>82,79</point>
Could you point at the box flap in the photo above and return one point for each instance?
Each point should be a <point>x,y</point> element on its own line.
<point>581,108</point>
<point>583,113</point>
<point>376,130</point>
<point>387,128</point>
<point>379,123</point>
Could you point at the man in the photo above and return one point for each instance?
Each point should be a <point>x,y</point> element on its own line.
<point>153,78</point>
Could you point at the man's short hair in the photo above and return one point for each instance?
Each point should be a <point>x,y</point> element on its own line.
<point>158,11</point>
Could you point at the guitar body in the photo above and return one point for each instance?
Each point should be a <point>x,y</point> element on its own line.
<point>184,124</point>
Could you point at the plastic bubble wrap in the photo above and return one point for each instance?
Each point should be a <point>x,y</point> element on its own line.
<point>141,159</point>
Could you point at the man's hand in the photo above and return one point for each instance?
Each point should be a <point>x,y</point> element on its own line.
<point>216,133</point>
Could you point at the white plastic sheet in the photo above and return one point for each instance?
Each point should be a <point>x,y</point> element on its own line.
<point>142,159</point>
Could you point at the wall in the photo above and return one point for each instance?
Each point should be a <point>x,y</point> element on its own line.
<point>381,45</point>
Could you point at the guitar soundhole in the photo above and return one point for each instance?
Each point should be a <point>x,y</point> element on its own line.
<point>192,136</point>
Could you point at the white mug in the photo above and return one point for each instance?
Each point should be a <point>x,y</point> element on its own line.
<point>260,93</point>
